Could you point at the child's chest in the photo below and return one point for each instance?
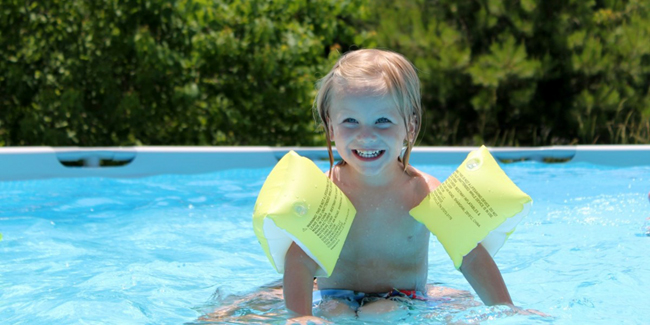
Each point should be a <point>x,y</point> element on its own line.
<point>384,228</point>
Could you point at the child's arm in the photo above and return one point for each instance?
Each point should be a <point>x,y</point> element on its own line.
<point>299,271</point>
<point>484,276</point>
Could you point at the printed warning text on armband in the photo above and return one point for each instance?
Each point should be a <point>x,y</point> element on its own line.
<point>326,224</point>
<point>438,199</point>
<point>460,190</point>
<point>478,198</point>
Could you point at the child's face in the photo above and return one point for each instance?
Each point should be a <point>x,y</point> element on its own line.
<point>368,132</point>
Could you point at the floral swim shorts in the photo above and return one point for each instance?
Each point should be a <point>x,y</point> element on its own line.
<point>356,299</point>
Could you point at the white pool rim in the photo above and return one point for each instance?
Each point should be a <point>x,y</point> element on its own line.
<point>22,163</point>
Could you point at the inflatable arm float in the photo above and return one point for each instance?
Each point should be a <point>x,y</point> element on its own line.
<point>299,203</point>
<point>478,203</point>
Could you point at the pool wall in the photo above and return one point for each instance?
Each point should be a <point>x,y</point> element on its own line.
<point>22,163</point>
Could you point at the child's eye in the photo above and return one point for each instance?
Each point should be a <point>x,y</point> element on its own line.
<point>349,120</point>
<point>382,120</point>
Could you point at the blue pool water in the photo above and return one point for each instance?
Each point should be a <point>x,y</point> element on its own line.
<point>180,249</point>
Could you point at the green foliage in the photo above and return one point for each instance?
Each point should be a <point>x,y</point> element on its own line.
<point>527,72</point>
<point>242,72</point>
<point>162,72</point>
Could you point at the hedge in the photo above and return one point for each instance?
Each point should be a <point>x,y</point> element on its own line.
<point>198,72</point>
<point>527,72</point>
<point>164,72</point>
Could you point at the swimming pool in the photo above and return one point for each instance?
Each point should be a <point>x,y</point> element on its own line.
<point>173,248</point>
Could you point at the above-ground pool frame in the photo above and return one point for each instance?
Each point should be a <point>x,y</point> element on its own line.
<point>22,163</point>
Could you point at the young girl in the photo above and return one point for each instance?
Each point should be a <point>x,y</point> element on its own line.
<point>369,106</point>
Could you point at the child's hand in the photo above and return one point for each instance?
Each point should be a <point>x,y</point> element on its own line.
<point>305,320</point>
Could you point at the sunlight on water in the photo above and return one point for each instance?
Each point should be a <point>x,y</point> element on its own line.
<point>180,249</point>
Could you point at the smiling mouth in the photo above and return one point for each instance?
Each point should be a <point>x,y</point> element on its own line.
<point>368,154</point>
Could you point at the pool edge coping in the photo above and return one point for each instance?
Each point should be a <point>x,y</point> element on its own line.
<point>21,163</point>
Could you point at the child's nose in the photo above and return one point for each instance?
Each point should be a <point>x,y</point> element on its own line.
<point>366,134</point>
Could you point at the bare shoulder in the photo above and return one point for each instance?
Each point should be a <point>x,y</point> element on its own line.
<point>427,182</point>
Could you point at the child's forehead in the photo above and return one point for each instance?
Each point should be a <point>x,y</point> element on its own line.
<point>363,103</point>
<point>374,88</point>
<point>360,92</point>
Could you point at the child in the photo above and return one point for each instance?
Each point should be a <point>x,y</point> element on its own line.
<point>369,106</point>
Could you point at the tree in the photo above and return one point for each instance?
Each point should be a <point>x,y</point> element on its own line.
<point>181,72</point>
<point>527,72</point>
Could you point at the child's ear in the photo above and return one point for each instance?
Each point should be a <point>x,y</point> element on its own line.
<point>412,126</point>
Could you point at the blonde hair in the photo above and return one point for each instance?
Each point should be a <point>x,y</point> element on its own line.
<point>382,73</point>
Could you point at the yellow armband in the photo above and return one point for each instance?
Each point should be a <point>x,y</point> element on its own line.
<point>478,203</point>
<point>298,203</point>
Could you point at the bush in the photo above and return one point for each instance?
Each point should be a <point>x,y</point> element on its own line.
<point>165,72</point>
<point>527,72</point>
<point>235,72</point>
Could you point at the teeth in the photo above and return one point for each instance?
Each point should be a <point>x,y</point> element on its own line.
<point>369,153</point>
